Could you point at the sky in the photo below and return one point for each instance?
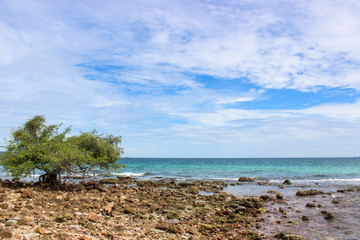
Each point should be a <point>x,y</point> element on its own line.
<point>187,78</point>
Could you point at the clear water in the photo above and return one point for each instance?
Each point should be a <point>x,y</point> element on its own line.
<point>334,171</point>
<point>270,169</point>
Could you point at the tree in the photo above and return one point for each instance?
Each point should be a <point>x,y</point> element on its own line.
<point>37,146</point>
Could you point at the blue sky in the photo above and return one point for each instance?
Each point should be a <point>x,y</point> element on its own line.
<point>188,78</point>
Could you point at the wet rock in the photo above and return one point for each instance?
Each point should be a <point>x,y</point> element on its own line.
<point>287,182</point>
<point>335,201</point>
<point>165,192</point>
<point>310,205</point>
<point>125,180</point>
<point>327,215</point>
<point>310,192</point>
<point>293,222</point>
<point>265,197</point>
<point>246,179</point>
<point>292,237</point>
<point>193,190</point>
<point>109,181</point>
<point>282,211</point>
<point>279,196</point>
<point>305,218</point>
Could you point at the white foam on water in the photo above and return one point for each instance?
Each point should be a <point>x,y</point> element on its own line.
<point>327,180</point>
<point>129,174</point>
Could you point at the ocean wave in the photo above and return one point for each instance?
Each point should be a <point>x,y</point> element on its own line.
<point>130,174</point>
<point>224,179</point>
<point>330,180</point>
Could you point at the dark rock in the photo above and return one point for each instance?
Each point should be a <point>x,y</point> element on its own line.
<point>130,210</point>
<point>327,215</point>
<point>310,192</point>
<point>335,201</point>
<point>279,196</point>
<point>287,182</point>
<point>265,197</point>
<point>109,181</point>
<point>246,179</point>
<point>305,218</point>
<point>60,219</point>
<point>292,237</point>
<point>310,205</point>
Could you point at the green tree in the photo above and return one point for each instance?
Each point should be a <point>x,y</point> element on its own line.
<point>37,146</point>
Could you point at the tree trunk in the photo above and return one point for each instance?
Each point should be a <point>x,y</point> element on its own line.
<point>50,178</point>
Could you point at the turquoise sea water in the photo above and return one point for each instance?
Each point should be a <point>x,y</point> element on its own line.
<point>269,169</point>
<point>299,170</point>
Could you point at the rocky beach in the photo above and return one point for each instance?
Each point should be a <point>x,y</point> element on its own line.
<point>126,208</point>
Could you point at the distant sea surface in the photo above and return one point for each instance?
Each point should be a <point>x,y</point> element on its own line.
<point>299,170</point>
<point>338,171</point>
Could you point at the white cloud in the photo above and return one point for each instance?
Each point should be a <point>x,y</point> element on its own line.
<point>155,49</point>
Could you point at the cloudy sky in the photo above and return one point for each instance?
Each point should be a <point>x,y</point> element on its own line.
<point>188,78</point>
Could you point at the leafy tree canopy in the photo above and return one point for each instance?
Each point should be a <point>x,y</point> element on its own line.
<point>37,146</point>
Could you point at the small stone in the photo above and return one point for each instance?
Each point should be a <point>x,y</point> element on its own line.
<point>119,228</point>
<point>24,221</point>
<point>27,193</point>
<point>93,217</point>
<point>327,215</point>
<point>162,225</point>
<point>108,208</point>
<point>5,234</point>
<point>279,196</point>
<point>305,218</point>
<point>40,230</point>
<point>292,237</point>
<point>175,229</point>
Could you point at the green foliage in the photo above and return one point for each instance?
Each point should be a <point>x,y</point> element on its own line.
<point>37,146</point>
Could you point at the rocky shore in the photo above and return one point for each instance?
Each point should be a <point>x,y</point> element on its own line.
<point>126,208</point>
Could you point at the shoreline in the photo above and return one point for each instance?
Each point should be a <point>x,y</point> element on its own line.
<point>162,209</point>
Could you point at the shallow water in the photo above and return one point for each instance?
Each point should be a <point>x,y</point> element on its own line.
<point>346,224</point>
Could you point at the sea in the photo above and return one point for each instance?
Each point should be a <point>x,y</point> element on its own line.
<point>325,173</point>
<point>328,173</point>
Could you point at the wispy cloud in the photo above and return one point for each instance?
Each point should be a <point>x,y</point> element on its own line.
<point>196,73</point>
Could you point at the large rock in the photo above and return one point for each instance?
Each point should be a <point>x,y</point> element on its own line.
<point>246,179</point>
<point>310,192</point>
